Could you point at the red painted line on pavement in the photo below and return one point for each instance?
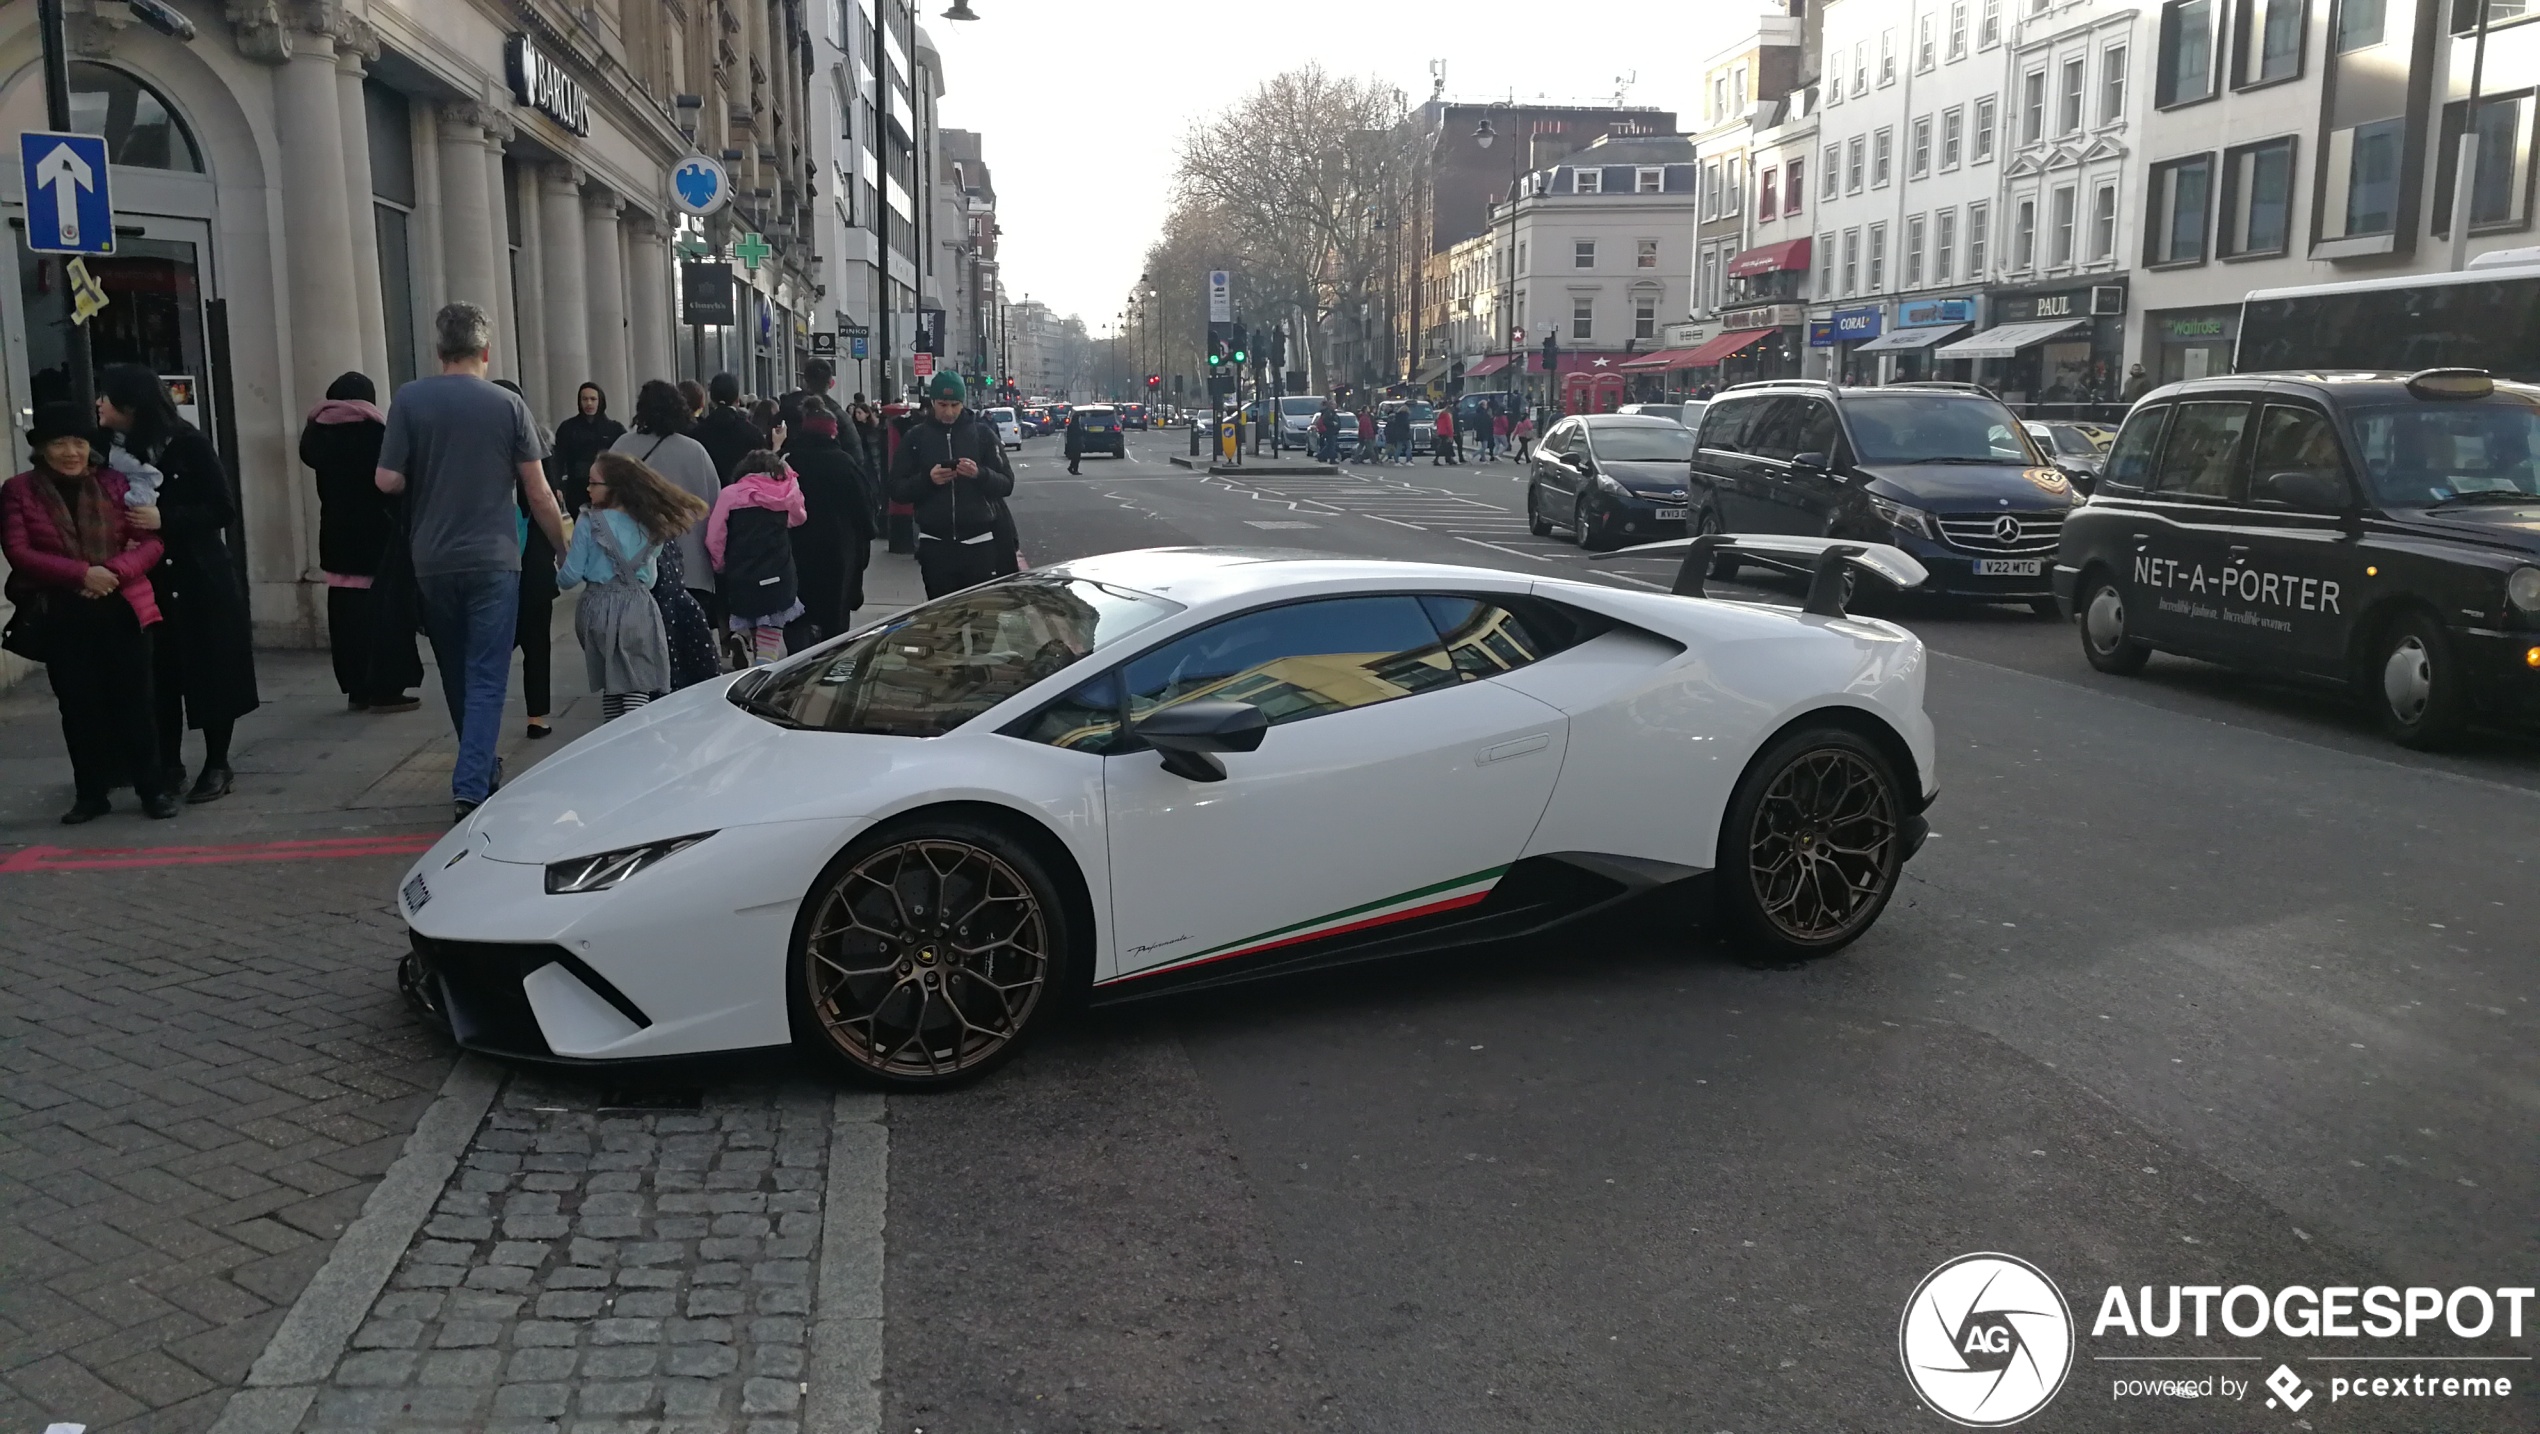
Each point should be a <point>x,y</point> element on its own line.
<point>62,858</point>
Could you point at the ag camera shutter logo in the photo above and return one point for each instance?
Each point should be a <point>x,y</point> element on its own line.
<point>1986,1340</point>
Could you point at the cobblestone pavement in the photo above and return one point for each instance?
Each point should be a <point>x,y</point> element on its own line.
<point>612,1266</point>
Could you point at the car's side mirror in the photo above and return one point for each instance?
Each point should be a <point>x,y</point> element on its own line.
<point>1811,461</point>
<point>2309,491</point>
<point>1189,732</point>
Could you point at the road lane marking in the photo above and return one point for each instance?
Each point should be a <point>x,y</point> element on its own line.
<point>1496,548</point>
<point>1381,518</point>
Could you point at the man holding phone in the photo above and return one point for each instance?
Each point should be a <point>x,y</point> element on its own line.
<point>952,469</point>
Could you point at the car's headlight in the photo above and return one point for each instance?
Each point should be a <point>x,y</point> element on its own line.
<point>1897,515</point>
<point>1610,484</point>
<point>2523,588</point>
<point>599,873</point>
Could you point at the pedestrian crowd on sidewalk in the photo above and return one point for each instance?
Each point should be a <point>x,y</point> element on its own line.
<point>716,532</point>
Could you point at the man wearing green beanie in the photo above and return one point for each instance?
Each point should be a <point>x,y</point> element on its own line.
<point>952,471</point>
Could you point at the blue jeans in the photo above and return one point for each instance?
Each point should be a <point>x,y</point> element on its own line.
<point>470,618</point>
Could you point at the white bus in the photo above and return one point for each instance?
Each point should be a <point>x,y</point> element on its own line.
<point>2486,316</point>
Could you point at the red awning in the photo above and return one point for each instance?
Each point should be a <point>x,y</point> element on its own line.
<point>1771,259</point>
<point>1657,362</point>
<point>1487,367</point>
<point>1710,354</point>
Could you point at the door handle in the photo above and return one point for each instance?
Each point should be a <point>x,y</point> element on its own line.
<point>2240,550</point>
<point>1518,748</point>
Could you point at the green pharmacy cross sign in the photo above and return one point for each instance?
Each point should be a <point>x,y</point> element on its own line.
<point>752,251</point>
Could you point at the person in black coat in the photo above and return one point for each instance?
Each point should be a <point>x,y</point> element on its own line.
<point>952,470</point>
<point>726,431</point>
<point>579,439</point>
<point>205,653</point>
<point>835,541</point>
<point>375,658</point>
<point>533,619</point>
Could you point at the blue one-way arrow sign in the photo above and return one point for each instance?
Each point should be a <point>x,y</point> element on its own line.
<point>67,209</point>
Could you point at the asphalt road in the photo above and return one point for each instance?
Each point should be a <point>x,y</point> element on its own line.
<point>2198,982</point>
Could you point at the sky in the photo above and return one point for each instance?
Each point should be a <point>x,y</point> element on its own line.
<point>1082,104</point>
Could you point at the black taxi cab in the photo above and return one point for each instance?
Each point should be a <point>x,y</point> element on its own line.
<point>2376,530</point>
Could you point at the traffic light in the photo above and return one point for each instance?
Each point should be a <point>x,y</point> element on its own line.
<point>1155,380</point>
<point>1242,345</point>
<point>1279,347</point>
<point>1551,351</point>
<point>1216,344</point>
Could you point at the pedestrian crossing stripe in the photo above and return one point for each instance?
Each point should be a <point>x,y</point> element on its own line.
<point>1428,900</point>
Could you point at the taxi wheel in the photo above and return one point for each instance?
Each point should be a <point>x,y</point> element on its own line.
<point>1813,844</point>
<point>929,953</point>
<point>2106,637</point>
<point>2415,684</point>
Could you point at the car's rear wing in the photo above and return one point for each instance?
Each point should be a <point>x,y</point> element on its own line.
<point>1823,561</point>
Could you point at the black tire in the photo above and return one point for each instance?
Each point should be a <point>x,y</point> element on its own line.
<point>1536,522</point>
<point>1582,531</point>
<point>1724,569</point>
<point>864,945</point>
<point>1812,846</point>
<point>2107,636</point>
<point>2414,683</point>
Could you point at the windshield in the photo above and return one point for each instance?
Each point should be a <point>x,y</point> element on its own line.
<point>1634,443</point>
<point>2419,454</point>
<point>928,671</point>
<point>1001,415</point>
<point>2064,438</point>
<point>1924,428</point>
<point>1301,406</point>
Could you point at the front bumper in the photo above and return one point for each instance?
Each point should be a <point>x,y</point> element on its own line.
<point>1635,516</point>
<point>2503,681</point>
<point>1953,570</point>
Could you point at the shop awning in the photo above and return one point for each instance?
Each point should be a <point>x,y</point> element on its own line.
<point>1735,340</point>
<point>1487,367</point>
<point>1771,259</point>
<point>1659,362</point>
<point>1910,338</point>
<point>2004,340</point>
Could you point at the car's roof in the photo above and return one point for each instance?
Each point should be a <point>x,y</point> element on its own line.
<point>2335,385</point>
<point>1627,420</point>
<point>1196,576</point>
<point>1093,408</point>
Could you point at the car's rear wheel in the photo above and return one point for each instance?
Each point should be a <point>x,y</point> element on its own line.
<point>1723,567</point>
<point>2107,637</point>
<point>930,953</point>
<point>1812,845</point>
<point>1536,522</point>
<point>2415,684</point>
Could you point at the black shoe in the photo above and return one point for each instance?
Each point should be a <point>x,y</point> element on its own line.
<point>172,777</point>
<point>459,810</point>
<point>356,704</point>
<point>211,786</point>
<point>399,703</point>
<point>539,731</point>
<point>86,809</point>
<point>160,806</point>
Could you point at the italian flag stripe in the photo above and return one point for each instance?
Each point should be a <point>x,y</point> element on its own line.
<point>1424,901</point>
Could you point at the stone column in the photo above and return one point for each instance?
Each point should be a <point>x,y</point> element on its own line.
<point>604,280</point>
<point>527,265</point>
<point>511,357</point>
<point>471,236</point>
<point>650,331</point>
<point>424,234</point>
<point>355,44</point>
<point>560,277</point>
<point>324,310</point>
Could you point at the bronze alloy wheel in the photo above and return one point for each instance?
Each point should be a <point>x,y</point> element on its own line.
<point>926,959</point>
<point>1822,845</point>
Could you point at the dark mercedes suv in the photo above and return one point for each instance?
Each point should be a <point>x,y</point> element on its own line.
<point>1943,471</point>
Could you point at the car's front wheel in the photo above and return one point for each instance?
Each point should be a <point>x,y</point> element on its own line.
<point>2107,637</point>
<point>1812,845</point>
<point>929,953</point>
<point>2415,684</point>
<point>1536,522</point>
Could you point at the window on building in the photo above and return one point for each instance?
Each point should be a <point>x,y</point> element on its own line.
<point>141,130</point>
<point>1887,57</point>
<point>1979,229</point>
<point>2068,96</point>
<point>1851,261</point>
<point>2180,199</point>
<point>1733,190</point>
<point>2187,53</point>
<point>2061,216</point>
<point>1706,294</point>
<point>2023,235</point>
<point>1926,42</point>
<point>1719,98</point>
<point>1645,255</point>
<point>1708,202</point>
<point>2360,23</point>
<point>1878,258</point>
<point>1984,129</point>
<point>1882,157</point>
<point>1582,253</point>
<point>2502,176</point>
<point>2032,106</point>
<point>1918,153</point>
<point>1582,317</point>
<point>1834,166</point>
<point>2268,41</point>
<point>1953,125</point>
<point>2363,174</point>
<point>2112,61</point>
<point>1860,68</point>
<point>1768,195</point>
<point>1989,28</point>
<point>1650,179</point>
<point>1825,266</point>
<point>1588,181</point>
<point>1855,152</point>
<point>1957,29</point>
<point>1795,186</point>
<point>1914,252</point>
<point>1739,95</point>
<point>2103,223</point>
<point>1644,318</point>
<point>1944,244</point>
<point>2257,199</point>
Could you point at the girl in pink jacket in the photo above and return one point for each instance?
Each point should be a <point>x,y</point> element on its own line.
<point>753,556</point>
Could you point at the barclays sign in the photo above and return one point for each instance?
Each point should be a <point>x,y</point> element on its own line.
<point>541,84</point>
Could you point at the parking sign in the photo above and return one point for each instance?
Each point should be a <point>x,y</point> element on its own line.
<point>67,209</point>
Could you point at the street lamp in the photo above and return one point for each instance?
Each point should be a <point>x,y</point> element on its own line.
<point>961,11</point>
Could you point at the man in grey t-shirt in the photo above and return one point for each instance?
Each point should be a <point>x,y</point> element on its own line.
<point>459,447</point>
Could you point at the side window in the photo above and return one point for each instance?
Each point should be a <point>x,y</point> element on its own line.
<point>1485,637</point>
<point>1085,720</point>
<point>2130,457</point>
<point>2297,440</point>
<point>2202,458</point>
<point>1775,434</point>
<point>1301,660</point>
<point>1724,424</point>
<point>1817,431</point>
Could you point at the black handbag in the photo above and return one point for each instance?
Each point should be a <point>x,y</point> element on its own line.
<point>29,633</point>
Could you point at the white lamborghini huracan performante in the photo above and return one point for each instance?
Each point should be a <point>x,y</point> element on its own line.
<point>915,845</point>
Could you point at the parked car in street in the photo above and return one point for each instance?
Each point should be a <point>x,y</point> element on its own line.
<point>1009,426</point>
<point>1943,471</point>
<point>2377,532</point>
<point>1609,477</point>
<point>2074,448</point>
